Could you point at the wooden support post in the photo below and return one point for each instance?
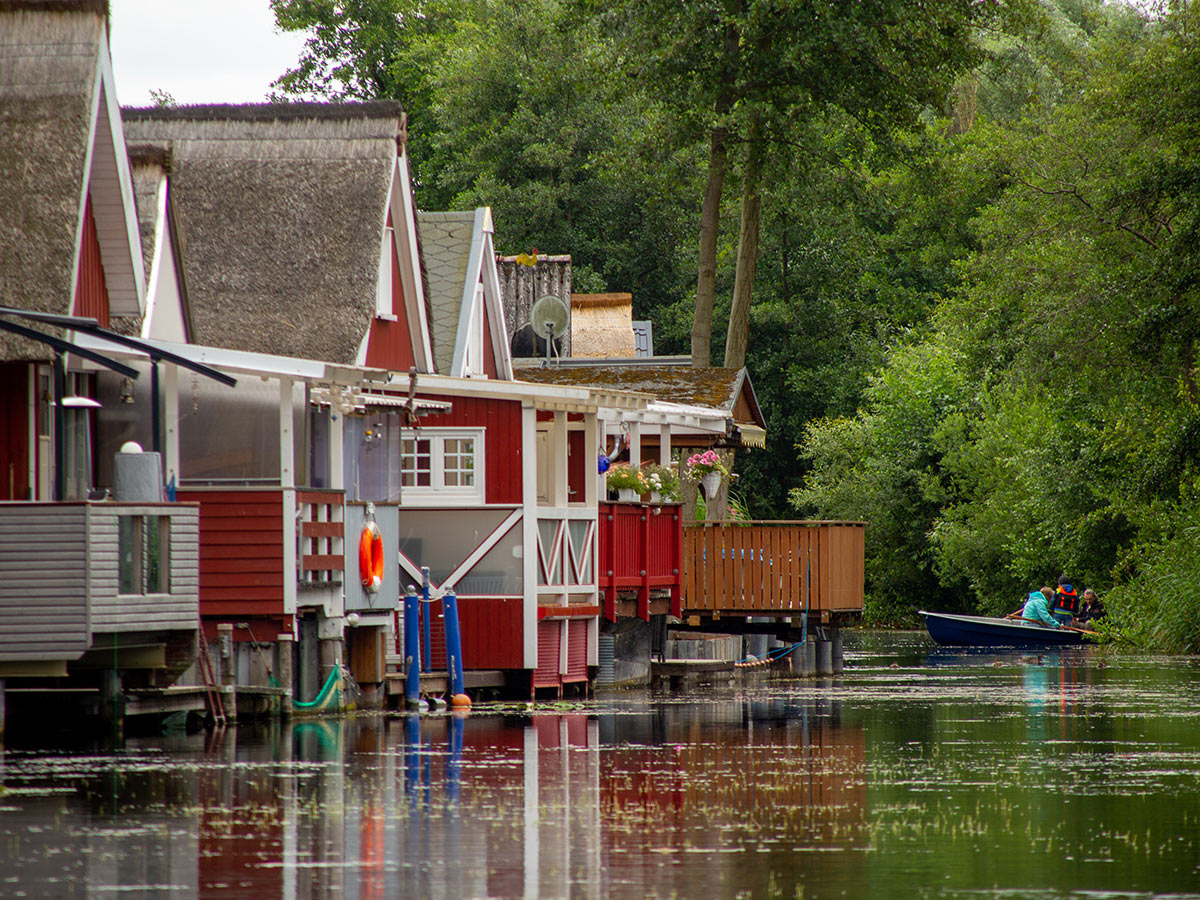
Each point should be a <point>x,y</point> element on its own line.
<point>227,670</point>
<point>285,651</point>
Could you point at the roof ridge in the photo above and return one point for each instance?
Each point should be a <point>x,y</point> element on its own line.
<point>266,112</point>
<point>99,7</point>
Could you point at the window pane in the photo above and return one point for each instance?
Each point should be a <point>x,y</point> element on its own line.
<point>157,542</point>
<point>417,462</point>
<point>130,554</point>
<point>460,462</point>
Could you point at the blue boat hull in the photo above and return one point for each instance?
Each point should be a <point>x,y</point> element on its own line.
<point>983,631</point>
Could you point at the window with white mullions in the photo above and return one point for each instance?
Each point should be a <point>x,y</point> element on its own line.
<point>459,462</point>
<point>416,463</point>
<point>441,466</point>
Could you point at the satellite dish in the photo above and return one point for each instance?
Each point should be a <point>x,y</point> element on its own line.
<point>549,317</point>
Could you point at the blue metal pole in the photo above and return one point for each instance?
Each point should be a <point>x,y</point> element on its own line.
<point>453,642</point>
<point>412,649</point>
<point>426,615</point>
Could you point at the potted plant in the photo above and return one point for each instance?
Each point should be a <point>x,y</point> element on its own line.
<point>707,469</point>
<point>664,483</point>
<point>628,482</point>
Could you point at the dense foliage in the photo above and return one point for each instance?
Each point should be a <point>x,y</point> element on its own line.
<point>975,314</point>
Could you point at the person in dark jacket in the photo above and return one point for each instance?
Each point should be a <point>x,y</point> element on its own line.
<point>1092,609</point>
<point>1064,604</point>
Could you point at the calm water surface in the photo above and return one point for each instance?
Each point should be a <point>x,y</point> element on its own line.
<point>918,773</point>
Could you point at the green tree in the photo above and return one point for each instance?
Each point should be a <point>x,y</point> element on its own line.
<point>746,67</point>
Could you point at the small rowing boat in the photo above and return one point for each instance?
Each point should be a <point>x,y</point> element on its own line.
<point>985,631</point>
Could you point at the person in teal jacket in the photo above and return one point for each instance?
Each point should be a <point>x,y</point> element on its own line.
<point>1035,610</point>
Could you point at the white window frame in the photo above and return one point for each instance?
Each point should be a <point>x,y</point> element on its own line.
<point>475,364</point>
<point>438,493</point>
<point>383,286</point>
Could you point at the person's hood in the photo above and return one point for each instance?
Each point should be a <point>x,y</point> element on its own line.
<point>1037,595</point>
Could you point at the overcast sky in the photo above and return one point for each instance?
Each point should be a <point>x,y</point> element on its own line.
<point>199,51</point>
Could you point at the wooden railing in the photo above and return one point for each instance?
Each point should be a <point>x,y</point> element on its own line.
<point>641,549</point>
<point>321,556</point>
<point>773,568</point>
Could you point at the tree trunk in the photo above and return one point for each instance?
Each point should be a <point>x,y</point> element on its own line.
<point>738,337</point>
<point>710,211</point>
<point>706,276</point>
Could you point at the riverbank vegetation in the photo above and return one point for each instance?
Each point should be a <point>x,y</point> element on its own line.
<point>957,243</point>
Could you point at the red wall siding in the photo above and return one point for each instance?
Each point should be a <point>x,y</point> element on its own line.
<point>91,293</point>
<point>549,643</point>
<point>491,633</point>
<point>577,668</point>
<point>389,344</point>
<point>489,355</point>
<point>14,431</point>
<point>502,450</point>
<point>576,466</point>
<point>241,552</point>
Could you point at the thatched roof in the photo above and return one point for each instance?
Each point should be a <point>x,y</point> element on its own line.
<point>281,210</point>
<point>48,63</point>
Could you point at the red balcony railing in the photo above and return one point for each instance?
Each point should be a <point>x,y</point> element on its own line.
<point>641,549</point>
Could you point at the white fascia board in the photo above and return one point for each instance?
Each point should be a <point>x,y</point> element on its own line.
<point>491,297</point>
<point>541,396</point>
<point>681,418</point>
<point>238,362</point>
<point>667,408</point>
<point>156,257</point>
<point>131,251</point>
<point>466,311</point>
<point>410,267</point>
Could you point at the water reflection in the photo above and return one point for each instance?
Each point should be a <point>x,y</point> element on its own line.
<point>650,800</point>
<point>1010,775</point>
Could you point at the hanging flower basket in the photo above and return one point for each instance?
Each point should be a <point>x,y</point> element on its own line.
<point>707,469</point>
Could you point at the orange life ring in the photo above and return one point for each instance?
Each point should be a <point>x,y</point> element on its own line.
<point>370,558</point>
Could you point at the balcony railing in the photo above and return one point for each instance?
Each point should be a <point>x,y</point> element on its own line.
<point>640,551</point>
<point>321,558</point>
<point>773,568</point>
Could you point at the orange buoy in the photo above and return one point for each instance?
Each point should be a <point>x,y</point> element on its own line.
<point>370,557</point>
<point>460,701</point>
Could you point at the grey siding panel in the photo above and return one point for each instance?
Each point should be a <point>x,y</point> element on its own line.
<point>180,609</point>
<point>43,579</point>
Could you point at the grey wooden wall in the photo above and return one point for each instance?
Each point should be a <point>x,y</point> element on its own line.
<point>116,612</point>
<point>43,581</point>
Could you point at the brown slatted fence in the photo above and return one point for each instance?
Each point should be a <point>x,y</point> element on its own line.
<point>773,567</point>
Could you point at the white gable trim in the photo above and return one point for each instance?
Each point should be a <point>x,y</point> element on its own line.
<point>108,179</point>
<point>495,308</point>
<point>481,272</point>
<point>404,239</point>
<point>467,319</point>
<point>167,316</point>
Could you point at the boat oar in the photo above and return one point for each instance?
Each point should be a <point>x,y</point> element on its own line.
<point>1068,627</point>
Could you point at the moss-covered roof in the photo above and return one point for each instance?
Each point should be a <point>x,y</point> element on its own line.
<point>712,387</point>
